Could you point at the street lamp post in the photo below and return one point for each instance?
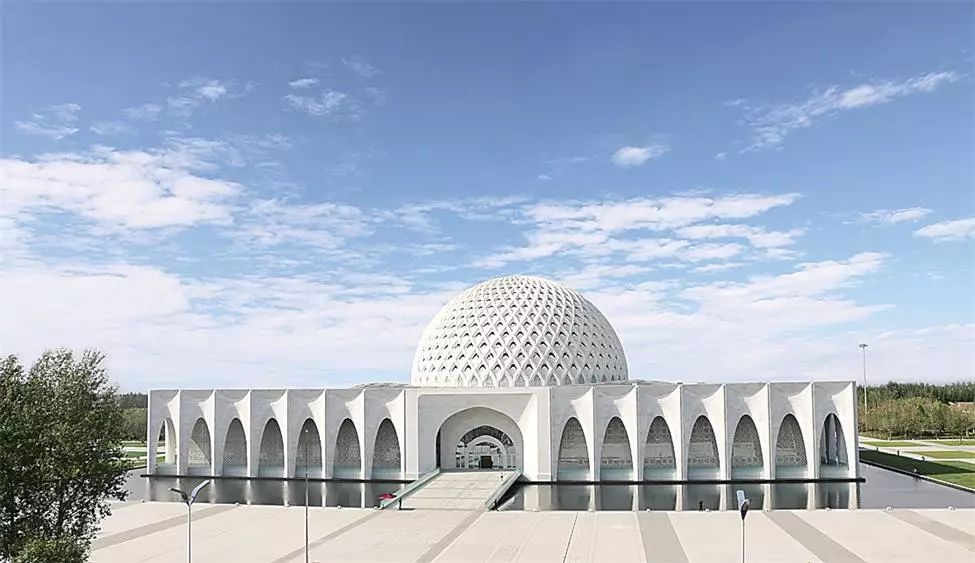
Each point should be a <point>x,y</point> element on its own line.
<point>306,493</point>
<point>189,500</point>
<point>863,348</point>
<point>743,504</point>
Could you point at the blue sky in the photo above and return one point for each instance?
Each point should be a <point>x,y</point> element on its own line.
<point>284,194</point>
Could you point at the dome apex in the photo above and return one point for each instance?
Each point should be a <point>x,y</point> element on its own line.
<point>517,331</point>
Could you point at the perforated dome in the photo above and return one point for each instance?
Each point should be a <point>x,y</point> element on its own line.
<point>518,331</point>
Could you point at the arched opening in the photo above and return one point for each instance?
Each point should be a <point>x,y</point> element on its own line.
<point>615,459</point>
<point>270,461</point>
<point>308,456</point>
<point>166,450</point>
<point>386,460</point>
<point>573,453</point>
<point>746,451</point>
<point>659,461</point>
<point>348,456</point>
<point>702,451</point>
<point>235,450</point>
<point>479,438</point>
<point>790,451</point>
<point>199,460</point>
<point>832,448</point>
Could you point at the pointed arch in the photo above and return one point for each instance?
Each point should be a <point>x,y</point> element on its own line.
<point>573,458</point>
<point>199,452</point>
<point>235,450</point>
<point>746,450</point>
<point>832,444</point>
<point>658,454</point>
<point>348,456</point>
<point>166,440</point>
<point>702,448</point>
<point>386,459</point>
<point>308,456</point>
<point>535,381</point>
<point>270,460</point>
<point>790,450</point>
<point>615,458</point>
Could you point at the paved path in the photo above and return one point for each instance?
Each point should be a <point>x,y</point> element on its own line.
<point>919,449</point>
<point>261,534</point>
<point>460,490</point>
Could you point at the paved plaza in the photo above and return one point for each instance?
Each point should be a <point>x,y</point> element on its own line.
<point>155,531</point>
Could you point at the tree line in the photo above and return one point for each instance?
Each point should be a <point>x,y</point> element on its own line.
<point>918,410</point>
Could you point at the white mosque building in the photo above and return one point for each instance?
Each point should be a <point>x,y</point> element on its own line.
<point>515,372</point>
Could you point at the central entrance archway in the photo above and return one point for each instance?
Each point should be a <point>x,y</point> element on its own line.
<point>486,447</point>
<point>479,438</point>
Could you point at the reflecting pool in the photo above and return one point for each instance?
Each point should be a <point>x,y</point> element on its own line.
<point>882,488</point>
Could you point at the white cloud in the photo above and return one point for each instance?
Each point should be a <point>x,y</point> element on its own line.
<point>360,67</point>
<point>544,177</point>
<point>56,122</point>
<point>770,124</point>
<point>127,189</point>
<point>191,94</point>
<point>322,225</point>
<point>756,236</point>
<point>891,216</point>
<point>110,128</point>
<point>145,112</point>
<point>303,82</point>
<point>960,229</point>
<point>628,157</point>
<point>329,102</point>
<point>714,268</point>
<point>594,228</point>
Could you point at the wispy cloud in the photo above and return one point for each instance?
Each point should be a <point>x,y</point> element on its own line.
<point>328,103</point>
<point>56,122</point>
<point>628,157</point>
<point>360,67</point>
<point>600,228</point>
<point>110,128</point>
<point>892,216</point>
<point>303,82</point>
<point>145,112</point>
<point>756,236</point>
<point>769,124</point>
<point>123,189</point>
<point>960,229</point>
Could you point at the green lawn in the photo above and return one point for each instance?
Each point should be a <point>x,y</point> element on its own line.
<point>953,442</point>
<point>890,444</point>
<point>945,454</point>
<point>958,472</point>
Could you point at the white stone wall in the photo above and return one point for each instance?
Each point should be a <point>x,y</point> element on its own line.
<point>534,418</point>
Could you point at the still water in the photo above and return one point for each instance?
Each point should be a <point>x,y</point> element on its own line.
<point>882,488</point>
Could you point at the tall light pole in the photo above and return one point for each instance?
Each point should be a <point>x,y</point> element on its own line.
<point>743,505</point>
<point>305,432</point>
<point>189,500</point>
<point>863,348</point>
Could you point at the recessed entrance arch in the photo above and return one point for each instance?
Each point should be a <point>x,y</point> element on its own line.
<point>479,438</point>
<point>486,447</point>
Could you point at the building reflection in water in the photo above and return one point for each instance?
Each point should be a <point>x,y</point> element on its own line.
<point>275,491</point>
<point>702,496</point>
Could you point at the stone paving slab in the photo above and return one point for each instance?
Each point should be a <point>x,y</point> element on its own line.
<point>397,535</point>
<point>874,535</point>
<point>540,537</point>
<point>262,534</point>
<point>133,516</point>
<point>963,520</point>
<point>716,536</point>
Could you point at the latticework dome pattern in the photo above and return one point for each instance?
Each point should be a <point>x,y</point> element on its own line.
<point>518,331</point>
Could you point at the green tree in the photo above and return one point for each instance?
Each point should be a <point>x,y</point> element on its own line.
<point>60,452</point>
<point>134,423</point>
<point>62,550</point>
